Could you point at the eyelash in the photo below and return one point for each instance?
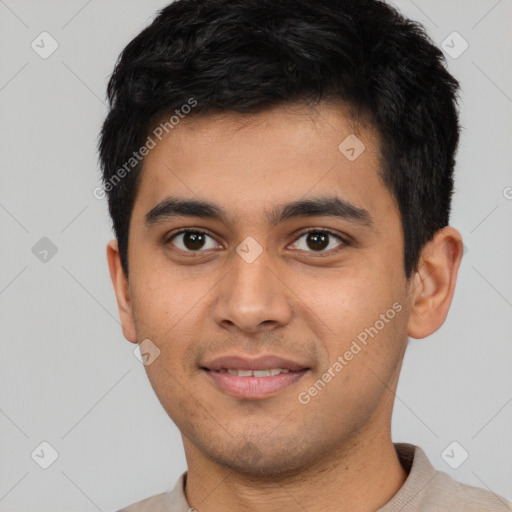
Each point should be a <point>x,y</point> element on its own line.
<point>345,241</point>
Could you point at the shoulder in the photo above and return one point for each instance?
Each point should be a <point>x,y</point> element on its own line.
<point>429,490</point>
<point>157,503</point>
<point>447,493</point>
<point>172,501</point>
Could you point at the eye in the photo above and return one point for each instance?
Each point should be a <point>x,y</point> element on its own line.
<point>192,241</point>
<point>319,240</point>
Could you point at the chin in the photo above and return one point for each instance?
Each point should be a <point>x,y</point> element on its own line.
<point>262,460</point>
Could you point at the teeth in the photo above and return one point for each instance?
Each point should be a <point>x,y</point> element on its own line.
<point>244,373</point>
<point>255,373</point>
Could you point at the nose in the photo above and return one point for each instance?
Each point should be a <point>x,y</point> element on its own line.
<point>252,298</point>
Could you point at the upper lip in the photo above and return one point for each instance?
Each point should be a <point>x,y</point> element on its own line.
<point>236,362</point>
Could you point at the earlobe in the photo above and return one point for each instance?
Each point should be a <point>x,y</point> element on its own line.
<point>432,288</point>
<point>122,291</point>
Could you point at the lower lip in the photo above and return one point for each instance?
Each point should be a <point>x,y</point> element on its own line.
<point>253,387</point>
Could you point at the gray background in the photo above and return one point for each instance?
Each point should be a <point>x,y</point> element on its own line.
<point>69,378</point>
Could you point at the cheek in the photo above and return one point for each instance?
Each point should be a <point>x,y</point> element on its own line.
<point>366,312</point>
<point>353,298</point>
<point>164,309</point>
<point>170,310</point>
<point>365,360</point>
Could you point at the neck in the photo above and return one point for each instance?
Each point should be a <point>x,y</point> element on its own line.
<point>360,476</point>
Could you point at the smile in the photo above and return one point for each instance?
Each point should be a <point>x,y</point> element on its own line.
<point>253,384</point>
<point>254,373</point>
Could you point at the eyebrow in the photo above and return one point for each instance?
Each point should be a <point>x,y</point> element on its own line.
<point>325,206</point>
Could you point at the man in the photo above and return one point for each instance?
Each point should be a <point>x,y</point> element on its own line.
<point>279,175</point>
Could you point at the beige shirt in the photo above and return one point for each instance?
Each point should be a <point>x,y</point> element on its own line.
<point>425,490</point>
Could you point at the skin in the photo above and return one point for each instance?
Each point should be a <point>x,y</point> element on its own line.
<point>294,300</point>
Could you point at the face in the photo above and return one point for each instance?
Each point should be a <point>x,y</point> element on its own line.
<point>295,264</point>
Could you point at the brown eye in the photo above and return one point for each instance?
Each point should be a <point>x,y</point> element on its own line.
<point>192,241</point>
<point>318,241</point>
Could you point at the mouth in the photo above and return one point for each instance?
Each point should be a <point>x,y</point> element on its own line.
<point>255,378</point>
<point>271,372</point>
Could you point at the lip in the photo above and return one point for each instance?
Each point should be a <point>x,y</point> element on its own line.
<point>253,363</point>
<point>253,387</point>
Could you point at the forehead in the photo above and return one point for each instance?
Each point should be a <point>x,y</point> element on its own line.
<point>248,164</point>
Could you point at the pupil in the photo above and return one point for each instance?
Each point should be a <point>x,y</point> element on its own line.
<point>193,240</point>
<point>317,241</point>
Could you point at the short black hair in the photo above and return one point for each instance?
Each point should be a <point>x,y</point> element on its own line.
<point>246,56</point>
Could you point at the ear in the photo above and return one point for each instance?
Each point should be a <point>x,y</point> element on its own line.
<point>432,287</point>
<point>122,291</point>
